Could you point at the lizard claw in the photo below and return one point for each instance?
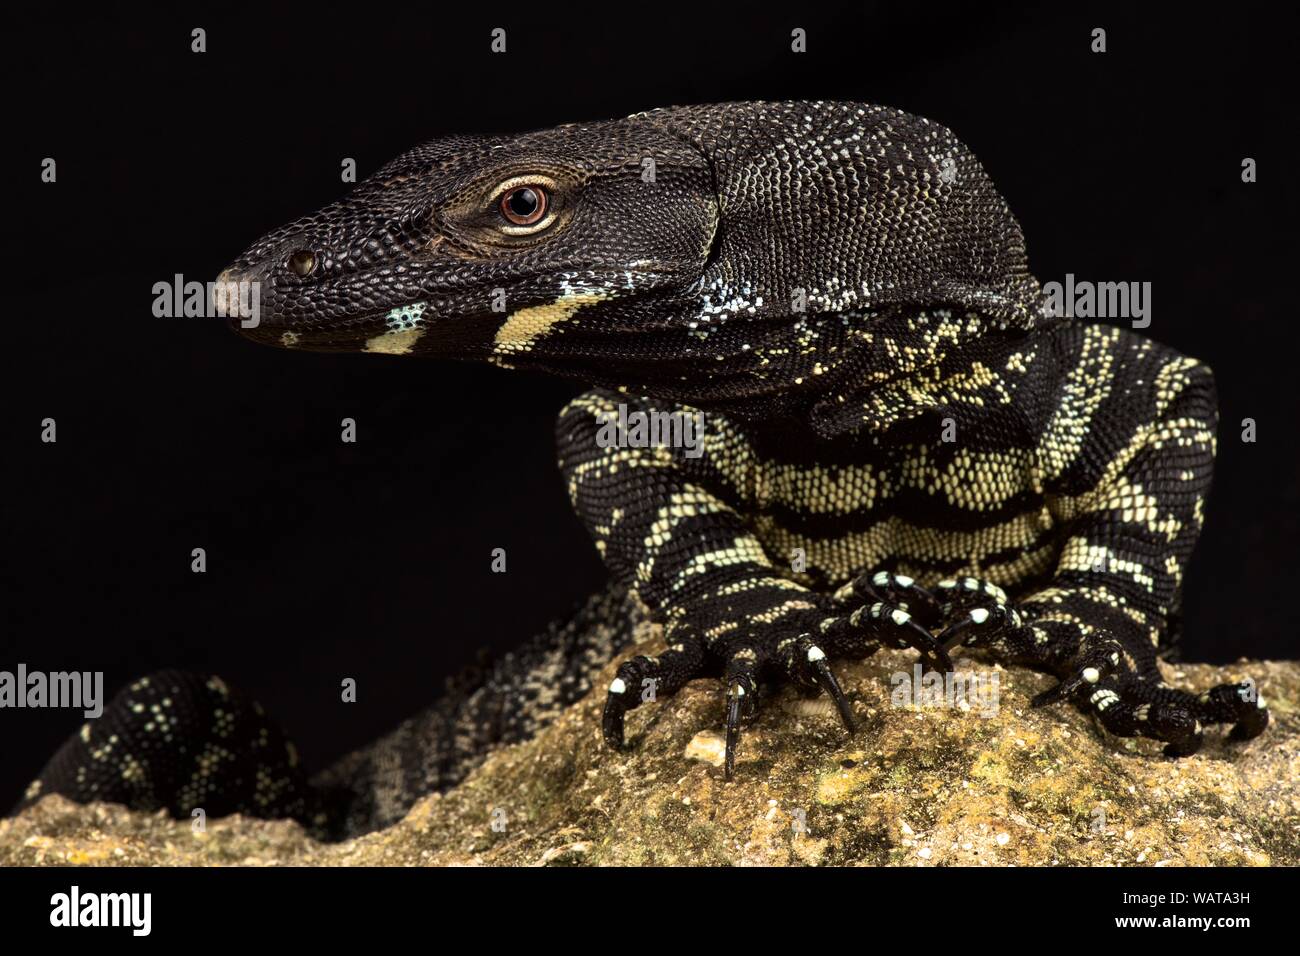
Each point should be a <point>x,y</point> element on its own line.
<point>740,703</point>
<point>642,678</point>
<point>824,677</point>
<point>931,648</point>
<point>733,728</point>
<point>611,722</point>
<point>1054,695</point>
<point>982,624</point>
<point>741,676</point>
<point>1100,659</point>
<point>898,590</point>
<point>885,622</point>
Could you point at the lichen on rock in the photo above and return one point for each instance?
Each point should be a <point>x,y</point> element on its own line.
<point>918,786</point>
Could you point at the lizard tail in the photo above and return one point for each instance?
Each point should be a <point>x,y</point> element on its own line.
<point>183,742</point>
<point>186,742</point>
<point>497,702</point>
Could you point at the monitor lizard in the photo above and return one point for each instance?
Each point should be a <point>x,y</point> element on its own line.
<point>901,444</point>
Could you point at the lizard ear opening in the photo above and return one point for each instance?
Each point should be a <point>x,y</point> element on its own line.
<point>713,247</point>
<point>302,262</point>
<point>954,357</point>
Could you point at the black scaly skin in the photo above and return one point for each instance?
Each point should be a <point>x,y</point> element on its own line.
<point>219,751</point>
<point>843,294</point>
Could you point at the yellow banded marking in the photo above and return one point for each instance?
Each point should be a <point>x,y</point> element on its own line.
<point>394,343</point>
<point>521,330</point>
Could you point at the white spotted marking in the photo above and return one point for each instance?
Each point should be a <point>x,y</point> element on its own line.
<point>1103,698</point>
<point>617,686</point>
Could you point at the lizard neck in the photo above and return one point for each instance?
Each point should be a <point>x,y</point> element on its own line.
<point>869,374</point>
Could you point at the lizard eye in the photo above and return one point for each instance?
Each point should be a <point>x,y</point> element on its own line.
<point>524,205</point>
<point>302,262</point>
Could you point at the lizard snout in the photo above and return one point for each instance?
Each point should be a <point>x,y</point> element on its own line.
<point>239,296</point>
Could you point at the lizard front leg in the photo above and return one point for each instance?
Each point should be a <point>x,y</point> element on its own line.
<point>1130,498</point>
<point>663,522</point>
<point>1106,663</point>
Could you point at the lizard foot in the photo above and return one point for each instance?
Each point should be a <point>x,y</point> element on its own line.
<point>1099,676</point>
<point>801,660</point>
<point>784,640</point>
<point>1129,705</point>
<point>641,679</point>
<point>1133,702</point>
<point>1098,673</point>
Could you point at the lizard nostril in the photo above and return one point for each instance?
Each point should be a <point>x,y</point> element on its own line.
<point>302,262</point>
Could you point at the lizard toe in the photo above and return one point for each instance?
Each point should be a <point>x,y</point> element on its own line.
<point>642,679</point>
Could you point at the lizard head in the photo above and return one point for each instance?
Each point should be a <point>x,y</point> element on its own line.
<point>481,248</point>
<point>714,255</point>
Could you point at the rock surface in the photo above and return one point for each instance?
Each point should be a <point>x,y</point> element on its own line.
<point>917,786</point>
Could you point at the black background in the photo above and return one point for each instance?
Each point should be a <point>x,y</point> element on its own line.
<point>371,561</point>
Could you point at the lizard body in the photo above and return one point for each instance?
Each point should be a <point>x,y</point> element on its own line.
<point>901,445</point>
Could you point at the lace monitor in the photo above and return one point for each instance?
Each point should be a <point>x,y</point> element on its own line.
<point>902,445</point>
